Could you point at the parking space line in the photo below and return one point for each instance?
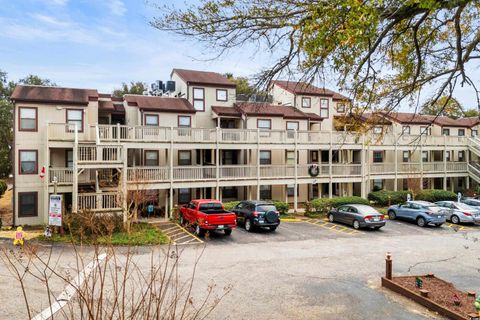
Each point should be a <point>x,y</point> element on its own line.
<point>332,227</point>
<point>176,233</point>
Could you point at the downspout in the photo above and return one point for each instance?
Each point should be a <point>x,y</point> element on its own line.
<point>14,198</point>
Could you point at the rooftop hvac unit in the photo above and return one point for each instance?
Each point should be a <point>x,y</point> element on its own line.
<point>170,86</point>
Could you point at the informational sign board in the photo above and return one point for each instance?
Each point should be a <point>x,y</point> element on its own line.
<point>409,197</point>
<point>459,196</point>
<point>55,210</point>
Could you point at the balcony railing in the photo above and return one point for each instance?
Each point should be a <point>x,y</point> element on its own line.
<point>99,201</point>
<point>99,154</point>
<point>121,133</point>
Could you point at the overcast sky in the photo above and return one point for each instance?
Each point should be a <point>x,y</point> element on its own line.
<point>100,44</point>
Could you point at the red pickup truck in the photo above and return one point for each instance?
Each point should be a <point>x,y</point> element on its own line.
<point>208,214</point>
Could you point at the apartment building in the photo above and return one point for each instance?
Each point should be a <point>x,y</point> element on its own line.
<point>198,141</point>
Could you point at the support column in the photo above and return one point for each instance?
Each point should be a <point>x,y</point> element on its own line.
<point>75,171</point>
<point>295,188</point>
<point>170,162</point>
<point>363,183</point>
<point>124,181</point>
<point>395,181</point>
<point>444,162</point>
<point>217,168</point>
<point>330,178</point>
<point>46,182</point>
<point>467,178</point>
<point>421,165</point>
<point>258,164</point>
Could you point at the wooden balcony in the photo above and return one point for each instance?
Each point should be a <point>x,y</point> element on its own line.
<point>97,202</point>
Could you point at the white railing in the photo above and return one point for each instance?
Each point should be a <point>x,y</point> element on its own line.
<point>102,201</point>
<point>63,175</point>
<point>145,174</point>
<point>60,131</point>
<point>99,153</point>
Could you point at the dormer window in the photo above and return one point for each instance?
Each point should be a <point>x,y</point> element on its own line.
<point>306,102</point>
<point>222,95</point>
<point>324,108</point>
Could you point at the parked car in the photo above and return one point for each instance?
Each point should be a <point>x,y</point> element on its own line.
<point>460,212</point>
<point>422,212</point>
<point>471,202</point>
<point>254,213</point>
<point>357,215</point>
<point>207,214</point>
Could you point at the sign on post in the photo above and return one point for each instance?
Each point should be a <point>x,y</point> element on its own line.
<point>55,210</point>
<point>459,196</point>
<point>409,197</point>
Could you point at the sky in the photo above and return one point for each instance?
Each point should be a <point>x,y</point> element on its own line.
<point>101,43</point>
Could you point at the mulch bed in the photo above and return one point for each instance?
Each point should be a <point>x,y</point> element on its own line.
<point>441,292</point>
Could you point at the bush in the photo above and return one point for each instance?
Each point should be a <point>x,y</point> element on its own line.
<point>433,195</point>
<point>381,197</point>
<point>85,224</point>
<point>229,205</point>
<point>322,205</point>
<point>281,206</point>
<point>3,187</point>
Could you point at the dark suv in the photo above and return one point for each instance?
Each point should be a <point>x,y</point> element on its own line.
<point>252,213</point>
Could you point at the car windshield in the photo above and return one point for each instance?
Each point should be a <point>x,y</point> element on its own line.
<point>266,208</point>
<point>464,206</point>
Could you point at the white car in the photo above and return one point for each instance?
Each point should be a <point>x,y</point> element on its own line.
<point>460,212</point>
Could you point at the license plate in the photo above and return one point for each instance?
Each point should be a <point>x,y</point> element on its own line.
<point>376,219</point>
<point>439,217</point>
<point>220,226</point>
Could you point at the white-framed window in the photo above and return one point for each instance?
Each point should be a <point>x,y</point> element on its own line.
<point>264,124</point>
<point>222,95</point>
<point>324,108</point>
<point>378,130</point>
<point>74,117</point>
<point>290,157</point>
<point>292,125</point>
<point>265,157</point>
<point>151,158</point>
<point>184,121</point>
<point>341,107</point>
<point>199,99</point>
<point>306,102</point>
<point>27,119</point>
<point>406,130</point>
<point>151,120</point>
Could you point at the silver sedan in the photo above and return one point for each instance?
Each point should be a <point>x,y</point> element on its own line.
<point>358,216</point>
<point>460,212</point>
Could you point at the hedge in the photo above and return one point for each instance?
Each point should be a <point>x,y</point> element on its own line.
<point>3,187</point>
<point>433,195</point>
<point>325,204</point>
<point>381,197</point>
<point>229,205</point>
<point>281,206</point>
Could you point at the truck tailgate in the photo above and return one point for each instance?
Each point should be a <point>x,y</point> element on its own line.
<point>222,218</point>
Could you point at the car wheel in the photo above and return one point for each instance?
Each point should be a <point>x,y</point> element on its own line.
<point>199,231</point>
<point>421,222</point>
<point>273,228</point>
<point>377,228</point>
<point>248,225</point>
<point>330,218</point>
<point>228,232</point>
<point>356,224</point>
<point>392,215</point>
<point>455,219</point>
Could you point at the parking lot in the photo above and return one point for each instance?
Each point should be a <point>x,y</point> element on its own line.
<point>308,229</point>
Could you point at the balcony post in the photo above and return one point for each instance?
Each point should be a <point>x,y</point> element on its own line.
<point>47,175</point>
<point>217,160</point>
<point>97,134</point>
<point>421,164</point>
<point>75,171</point>
<point>295,188</point>
<point>258,164</point>
<point>124,182</point>
<point>363,171</point>
<point>170,163</point>
<point>118,133</point>
<point>467,179</point>
<point>445,162</point>
<point>330,155</point>
<point>395,138</point>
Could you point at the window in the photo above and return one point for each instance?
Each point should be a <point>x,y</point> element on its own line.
<point>27,204</point>
<point>314,156</point>
<point>151,158</point>
<point>27,119</point>
<point>229,193</point>
<point>265,157</point>
<point>75,117</point>
<point>377,156</point>
<point>406,156</point>
<point>264,124</point>
<point>340,107</point>
<point>461,132</point>
<point>290,157</point>
<point>324,108</point>
<point>406,130</point>
<point>306,102</point>
<point>425,156</point>
<point>377,130</point>
<point>151,120</point>
<point>199,99</point>
<point>474,132</point>
<point>461,156</point>
<point>28,161</point>
<point>447,155</point>
<point>425,130</point>
<point>184,195</point>
<point>184,121</point>
<point>265,192</point>
<point>184,158</point>
<point>291,190</point>
<point>378,184</point>
<point>445,132</point>
<point>222,95</point>
<point>292,125</point>
<point>69,159</point>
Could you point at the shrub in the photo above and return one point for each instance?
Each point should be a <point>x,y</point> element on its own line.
<point>85,224</point>
<point>322,205</point>
<point>229,205</point>
<point>281,206</point>
<point>433,195</point>
<point>381,197</point>
<point>3,187</point>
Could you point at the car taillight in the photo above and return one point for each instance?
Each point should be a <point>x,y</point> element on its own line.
<point>255,213</point>
<point>468,214</point>
<point>368,218</point>
<point>382,217</point>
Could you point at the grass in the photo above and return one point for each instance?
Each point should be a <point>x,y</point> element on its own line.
<point>315,215</point>
<point>141,234</point>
